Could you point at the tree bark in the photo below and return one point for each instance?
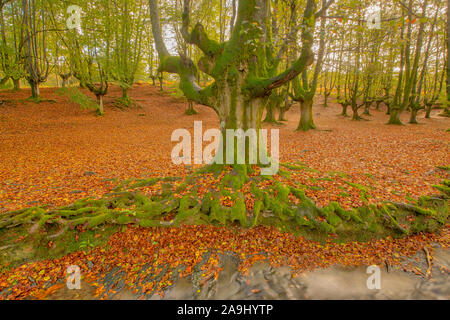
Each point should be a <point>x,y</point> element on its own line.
<point>239,94</point>
<point>125,95</point>
<point>414,111</point>
<point>101,109</point>
<point>344,109</point>
<point>270,113</point>
<point>16,83</point>
<point>306,119</point>
<point>35,92</point>
<point>191,111</point>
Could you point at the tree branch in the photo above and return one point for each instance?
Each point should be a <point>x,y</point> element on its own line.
<point>263,87</point>
<point>183,66</point>
<point>198,35</point>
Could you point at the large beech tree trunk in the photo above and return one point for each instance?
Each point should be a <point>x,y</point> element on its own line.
<point>306,119</point>
<point>241,67</point>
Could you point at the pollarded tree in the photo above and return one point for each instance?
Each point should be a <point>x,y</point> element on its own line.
<point>243,82</point>
<point>305,90</point>
<point>11,57</point>
<point>88,53</point>
<point>35,44</point>
<point>127,18</point>
<point>240,67</point>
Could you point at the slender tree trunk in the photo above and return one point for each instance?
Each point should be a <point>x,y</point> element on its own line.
<point>161,88</point>
<point>326,96</point>
<point>101,109</point>
<point>428,108</point>
<point>191,111</point>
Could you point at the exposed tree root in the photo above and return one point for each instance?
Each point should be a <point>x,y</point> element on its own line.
<point>237,195</point>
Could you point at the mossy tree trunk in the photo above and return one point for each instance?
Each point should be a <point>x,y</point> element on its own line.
<point>240,67</point>
<point>367,106</point>
<point>414,110</point>
<point>304,89</point>
<point>306,118</point>
<point>326,95</point>
<point>101,109</point>
<point>285,108</point>
<point>190,110</point>
<point>16,83</point>
<point>82,70</point>
<point>125,94</point>
<point>355,109</point>
<point>35,92</point>
<point>64,77</point>
<point>394,108</point>
<point>428,109</point>
<point>344,109</point>
<point>35,46</point>
<point>270,110</point>
<point>411,70</point>
<point>161,81</point>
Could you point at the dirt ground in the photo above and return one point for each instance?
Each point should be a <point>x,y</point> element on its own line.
<point>54,152</point>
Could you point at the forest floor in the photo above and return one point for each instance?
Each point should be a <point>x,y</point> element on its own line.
<point>54,153</point>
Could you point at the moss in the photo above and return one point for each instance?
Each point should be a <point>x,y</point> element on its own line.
<point>99,219</point>
<point>272,206</point>
<point>124,219</point>
<point>257,210</point>
<point>443,189</point>
<point>148,223</point>
<point>239,212</point>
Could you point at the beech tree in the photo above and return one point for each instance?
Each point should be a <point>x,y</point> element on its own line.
<point>241,67</point>
<point>305,90</point>
<point>11,55</point>
<point>35,44</point>
<point>126,20</point>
